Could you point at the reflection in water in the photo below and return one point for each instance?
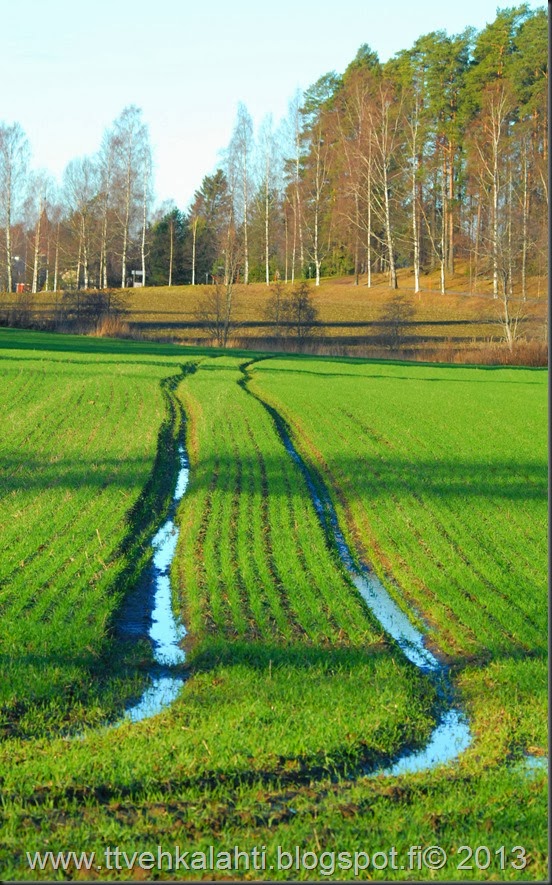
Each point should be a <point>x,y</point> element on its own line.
<point>448,739</point>
<point>161,693</point>
<point>394,621</point>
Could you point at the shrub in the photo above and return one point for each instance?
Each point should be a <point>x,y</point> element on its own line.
<point>87,310</point>
<point>292,313</point>
<point>396,315</point>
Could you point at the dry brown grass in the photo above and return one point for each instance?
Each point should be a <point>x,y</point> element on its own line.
<point>457,323</point>
<point>341,301</point>
<point>111,327</point>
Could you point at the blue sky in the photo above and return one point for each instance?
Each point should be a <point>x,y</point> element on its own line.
<point>72,67</point>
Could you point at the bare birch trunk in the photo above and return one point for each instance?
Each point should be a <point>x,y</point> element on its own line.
<point>414,124</point>
<point>357,227</point>
<point>298,219</point>
<point>103,243</point>
<point>171,250</point>
<point>524,219</point>
<point>450,211</point>
<point>36,251</point>
<point>144,226</point>
<point>388,233</point>
<point>476,251</point>
<point>194,237</point>
<point>316,255</point>
<point>245,226</point>
<point>128,196</point>
<point>103,254</point>
<point>84,253</point>
<point>495,138</point>
<point>267,207</point>
<point>510,255</point>
<point>415,229</point>
<point>79,262</point>
<point>443,243</point>
<point>9,257</point>
<point>56,261</point>
<point>294,247</point>
<point>47,279</point>
<point>369,220</point>
<point>494,220</point>
<point>286,235</point>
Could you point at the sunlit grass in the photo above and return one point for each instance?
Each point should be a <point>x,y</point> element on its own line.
<point>293,691</point>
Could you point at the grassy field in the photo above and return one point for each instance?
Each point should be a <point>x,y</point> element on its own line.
<point>439,478</point>
<point>81,433</point>
<point>450,511</point>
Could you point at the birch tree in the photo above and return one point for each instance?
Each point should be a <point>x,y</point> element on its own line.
<point>320,121</point>
<point>55,230</point>
<point>387,140</point>
<point>146,204</point>
<point>270,185</point>
<point>80,188</point>
<point>292,170</point>
<point>490,140</point>
<point>360,87</point>
<point>130,143</point>
<point>106,166</point>
<point>14,161</point>
<point>40,192</point>
<point>351,121</point>
<point>239,162</point>
<point>411,72</point>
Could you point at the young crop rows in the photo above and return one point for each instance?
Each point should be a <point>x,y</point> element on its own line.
<point>294,694</point>
<point>77,447</point>
<point>445,495</point>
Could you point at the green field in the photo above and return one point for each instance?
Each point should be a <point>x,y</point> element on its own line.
<point>294,692</point>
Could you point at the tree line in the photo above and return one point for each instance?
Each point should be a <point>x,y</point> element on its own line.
<point>433,160</point>
<point>91,231</point>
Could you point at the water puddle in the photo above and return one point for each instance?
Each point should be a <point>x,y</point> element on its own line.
<point>451,736</point>
<point>166,631</point>
<point>534,765</point>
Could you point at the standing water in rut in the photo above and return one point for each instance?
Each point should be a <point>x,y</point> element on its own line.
<point>451,736</point>
<point>166,631</point>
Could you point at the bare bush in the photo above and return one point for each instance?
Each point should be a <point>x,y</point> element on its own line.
<point>511,314</point>
<point>21,313</point>
<point>86,310</point>
<point>293,314</point>
<point>276,308</point>
<point>216,310</point>
<point>303,313</point>
<point>396,315</point>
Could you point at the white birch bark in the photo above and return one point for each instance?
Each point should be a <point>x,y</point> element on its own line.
<point>369,217</point>
<point>524,221</point>
<point>14,159</point>
<point>56,260</point>
<point>145,194</point>
<point>36,250</point>
<point>443,247</point>
<point>171,253</point>
<point>194,240</point>
<point>267,213</point>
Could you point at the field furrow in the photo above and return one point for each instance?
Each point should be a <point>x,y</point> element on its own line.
<point>293,694</point>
